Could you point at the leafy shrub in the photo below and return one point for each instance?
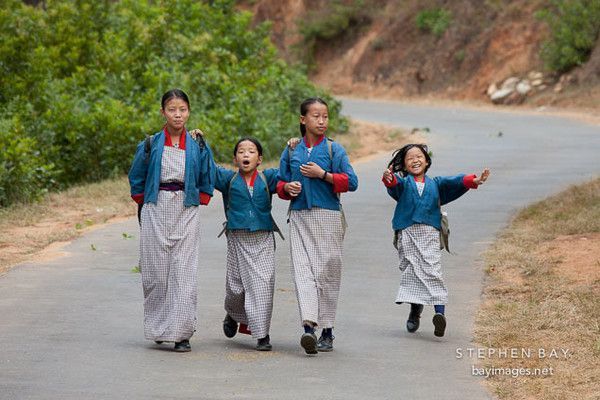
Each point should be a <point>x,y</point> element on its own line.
<point>575,28</point>
<point>336,19</point>
<point>81,81</point>
<point>435,21</point>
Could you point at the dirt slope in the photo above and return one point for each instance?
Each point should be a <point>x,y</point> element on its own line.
<point>383,53</point>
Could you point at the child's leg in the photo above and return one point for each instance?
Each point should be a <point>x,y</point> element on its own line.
<point>439,309</point>
<point>234,289</point>
<point>412,324</point>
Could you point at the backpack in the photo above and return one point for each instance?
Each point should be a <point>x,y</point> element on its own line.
<point>269,195</point>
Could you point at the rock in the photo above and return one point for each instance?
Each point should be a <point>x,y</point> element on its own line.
<point>514,98</point>
<point>534,76</point>
<point>542,87</point>
<point>491,89</point>
<point>558,88</point>
<point>523,87</point>
<point>499,96</point>
<point>537,82</point>
<point>510,83</point>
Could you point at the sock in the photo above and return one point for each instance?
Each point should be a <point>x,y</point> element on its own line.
<point>414,307</point>
<point>439,309</point>
<point>327,332</point>
<point>309,329</point>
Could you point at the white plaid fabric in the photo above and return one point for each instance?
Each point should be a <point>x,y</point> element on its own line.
<point>316,237</point>
<point>169,258</point>
<point>250,279</point>
<point>420,262</point>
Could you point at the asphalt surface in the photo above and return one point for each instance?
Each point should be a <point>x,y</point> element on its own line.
<point>71,328</point>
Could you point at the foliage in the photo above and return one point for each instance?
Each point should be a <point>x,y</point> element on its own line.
<point>335,19</point>
<point>81,82</point>
<point>575,28</point>
<point>436,21</point>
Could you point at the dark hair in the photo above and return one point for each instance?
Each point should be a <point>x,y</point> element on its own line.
<point>304,109</point>
<point>174,94</point>
<point>249,139</point>
<point>397,162</point>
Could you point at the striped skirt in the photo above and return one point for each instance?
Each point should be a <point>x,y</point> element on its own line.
<point>316,237</point>
<point>250,279</point>
<point>420,262</point>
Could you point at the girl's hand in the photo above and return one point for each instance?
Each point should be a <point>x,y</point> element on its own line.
<point>484,175</point>
<point>293,188</point>
<point>195,133</point>
<point>312,170</point>
<point>388,176</point>
<point>293,142</point>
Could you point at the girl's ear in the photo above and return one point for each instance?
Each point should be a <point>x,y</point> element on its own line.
<point>259,160</point>
<point>235,162</point>
<point>303,120</point>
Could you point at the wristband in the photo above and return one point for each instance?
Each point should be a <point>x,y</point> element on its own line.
<point>324,176</point>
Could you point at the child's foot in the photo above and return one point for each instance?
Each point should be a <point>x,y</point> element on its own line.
<point>325,343</point>
<point>308,341</point>
<point>229,326</point>
<point>439,323</point>
<point>183,346</point>
<point>264,344</point>
<point>412,324</point>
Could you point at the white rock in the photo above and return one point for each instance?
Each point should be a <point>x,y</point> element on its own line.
<point>537,82</point>
<point>535,75</point>
<point>491,89</point>
<point>499,95</point>
<point>510,83</point>
<point>523,87</point>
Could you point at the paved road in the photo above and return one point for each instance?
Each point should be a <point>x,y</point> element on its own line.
<point>71,328</point>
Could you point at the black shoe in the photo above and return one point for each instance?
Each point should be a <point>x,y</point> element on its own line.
<point>412,324</point>
<point>264,344</point>
<point>308,341</point>
<point>183,346</point>
<point>325,343</point>
<point>229,326</point>
<point>439,323</point>
<point>158,341</point>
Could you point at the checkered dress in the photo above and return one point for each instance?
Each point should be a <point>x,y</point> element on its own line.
<point>250,279</point>
<point>169,257</point>
<point>316,237</point>
<point>420,262</point>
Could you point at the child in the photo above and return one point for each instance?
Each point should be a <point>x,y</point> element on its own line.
<point>250,279</point>
<point>417,221</point>
<point>312,176</point>
<point>171,175</point>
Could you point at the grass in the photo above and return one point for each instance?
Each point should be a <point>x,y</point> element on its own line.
<point>538,298</point>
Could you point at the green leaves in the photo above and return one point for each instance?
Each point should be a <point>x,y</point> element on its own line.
<point>575,27</point>
<point>81,82</point>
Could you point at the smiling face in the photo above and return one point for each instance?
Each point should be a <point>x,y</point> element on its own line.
<point>176,111</point>
<point>316,119</point>
<point>247,157</point>
<point>415,162</point>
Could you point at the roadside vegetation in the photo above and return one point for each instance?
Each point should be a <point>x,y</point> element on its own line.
<point>543,292</point>
<point>80,85</point>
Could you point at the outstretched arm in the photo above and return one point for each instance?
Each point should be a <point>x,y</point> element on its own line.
<point>484,175</point>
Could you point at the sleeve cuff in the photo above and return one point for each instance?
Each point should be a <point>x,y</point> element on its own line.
<point>468,181</point>
<point>281,192</point>
<point>340,183</point>
<point>138,198</point>
<point>391,184</point>
<point>204,199</point>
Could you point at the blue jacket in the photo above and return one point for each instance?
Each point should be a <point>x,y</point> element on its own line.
<point>316,192</point>
<point>242,210</point>
<point>425,209</point>
<point>199,170</point>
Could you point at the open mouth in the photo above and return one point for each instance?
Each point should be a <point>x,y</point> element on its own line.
<point>245,163</point>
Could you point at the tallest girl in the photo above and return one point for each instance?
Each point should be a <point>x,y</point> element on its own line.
<point>312,176</point>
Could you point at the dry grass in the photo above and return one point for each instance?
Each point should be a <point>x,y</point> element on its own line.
<point>543,292</point>
<point>25,230</point>
<point>60,217</point>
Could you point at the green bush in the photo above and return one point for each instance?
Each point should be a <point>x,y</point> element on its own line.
<point>575,28</point>
<point>436,21</point>
<point>81,82</point>
<point>335,19</point>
